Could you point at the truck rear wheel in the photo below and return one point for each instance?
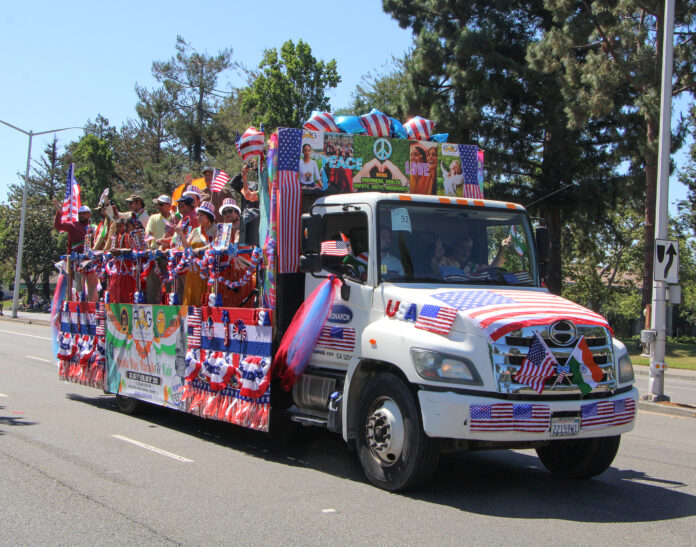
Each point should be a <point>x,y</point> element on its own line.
<point>127,405</point>
<point>394,451</point>
<point>579,458</point>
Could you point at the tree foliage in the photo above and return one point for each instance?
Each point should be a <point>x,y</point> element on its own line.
<point>190,81</point>
<point>289,86</point>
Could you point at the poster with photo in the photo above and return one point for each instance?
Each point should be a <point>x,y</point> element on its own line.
<point>311,160</point>
<point>382,162</point>
<point>422,167</point>
<point>452,175</point>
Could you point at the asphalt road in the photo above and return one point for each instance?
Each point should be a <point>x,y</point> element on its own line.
<point>73,470</point>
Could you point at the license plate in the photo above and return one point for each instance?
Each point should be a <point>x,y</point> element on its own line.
<point>565,427</point>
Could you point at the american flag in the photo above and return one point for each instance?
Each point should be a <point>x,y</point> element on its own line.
<point>250,144</point>
<point>517,278</point>
<point>220,178</point>
<point>499,312</point>
<point>336,248</point>
<point>468,154</point>
<point>289,202</point>
<point>452,273</point>
<point>510,417</point>
<point>72,201</point>
<point>418,129</point>
<point>437,319</point>
<point>537,366</point>
<point>608,413</point>
<point>376,124</point>
<point>339,338</point>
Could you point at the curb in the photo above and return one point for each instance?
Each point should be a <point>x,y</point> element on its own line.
<point>667,409</point>
<point>26,321</point>
<point>682,374</point>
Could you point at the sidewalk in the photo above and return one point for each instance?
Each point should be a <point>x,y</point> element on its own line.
<point>682,374</point>
<point>31,318</point>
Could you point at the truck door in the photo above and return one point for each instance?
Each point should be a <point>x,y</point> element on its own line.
<point>340,338</point>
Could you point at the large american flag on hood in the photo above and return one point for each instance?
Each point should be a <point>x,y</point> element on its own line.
<point>499,312</point>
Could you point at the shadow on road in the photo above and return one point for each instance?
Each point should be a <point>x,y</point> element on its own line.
<point>12,421</point>
<point>500,483</point>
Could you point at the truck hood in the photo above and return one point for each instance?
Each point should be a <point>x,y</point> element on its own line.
<point>493,311</point>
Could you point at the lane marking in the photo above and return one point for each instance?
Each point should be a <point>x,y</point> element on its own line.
<point>153,449</point>
<point>3,395</point>
<point>28,335</point>
<point>38,359</point>
<point>327,511</point>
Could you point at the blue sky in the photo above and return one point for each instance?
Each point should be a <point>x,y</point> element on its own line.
<point>64,63</point>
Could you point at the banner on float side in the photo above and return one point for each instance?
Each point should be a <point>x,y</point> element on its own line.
<point>335,163</point>
<point>146,352</point>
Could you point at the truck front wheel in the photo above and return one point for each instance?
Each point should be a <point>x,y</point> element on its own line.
<point>393,449</point>
<point>579,458</point>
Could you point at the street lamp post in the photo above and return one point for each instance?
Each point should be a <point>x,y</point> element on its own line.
<point>20,244</point>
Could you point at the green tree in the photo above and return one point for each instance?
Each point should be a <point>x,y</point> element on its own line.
<point>382,89</point>
<point>609,54</point>
<point>289,86</point>
<point>469,73</point>
<point>190,81</point>
<point>687,207</point>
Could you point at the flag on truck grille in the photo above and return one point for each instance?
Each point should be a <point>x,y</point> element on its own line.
<point>608,413</point>
<point>528,418</point>
<point>499,312</point>
<point>537,366</point>
<point>586,373</point>
<point>290,198</point>
<point>339,338</point>
<point>220,178</point>
<point>437,319</point>
<point>72,201</point>
<point>468,155</point>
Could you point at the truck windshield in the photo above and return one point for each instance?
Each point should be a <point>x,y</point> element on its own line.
<point>425,242</point>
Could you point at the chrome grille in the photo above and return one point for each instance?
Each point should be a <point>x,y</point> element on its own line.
<point>510,351</point>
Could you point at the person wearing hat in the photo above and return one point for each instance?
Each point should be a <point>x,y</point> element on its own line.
<point>216,198</point>
<point>78,232</point>
<point>136,209</point>
<point>161,225</point>
<point>231,269</point>
<point>231,214</point>
<point>199,238</point>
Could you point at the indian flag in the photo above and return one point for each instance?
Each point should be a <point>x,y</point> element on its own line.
<point>519,242</point>
<point>586,373</point>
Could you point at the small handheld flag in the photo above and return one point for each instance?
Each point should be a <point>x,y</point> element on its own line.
<point>72,201</point>
<point>539,364</point>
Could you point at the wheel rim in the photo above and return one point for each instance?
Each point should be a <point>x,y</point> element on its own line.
<point>384,431</point>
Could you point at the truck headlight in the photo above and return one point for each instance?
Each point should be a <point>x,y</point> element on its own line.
<point>433,365</point>
<point>625,369</point>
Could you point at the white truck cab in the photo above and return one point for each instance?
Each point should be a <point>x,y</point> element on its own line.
<point>441,300</point>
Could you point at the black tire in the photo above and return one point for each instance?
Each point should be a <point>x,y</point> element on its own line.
<point>127,405</point>
<point>416,460</point>
<point>579,458</point>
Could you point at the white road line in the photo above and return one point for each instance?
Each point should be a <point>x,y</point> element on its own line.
<point>38,359</point>
<point>28,335</point>
<point>3,395</point>
<point>153,449</point>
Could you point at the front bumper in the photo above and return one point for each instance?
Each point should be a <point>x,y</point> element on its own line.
<point>456,416</point>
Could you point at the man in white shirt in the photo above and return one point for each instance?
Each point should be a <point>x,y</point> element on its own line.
<point>389,264</point>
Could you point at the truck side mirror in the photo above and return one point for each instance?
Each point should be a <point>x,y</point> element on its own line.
<point>543,246</point>
<point>310,234</point>
<point>311,263</point>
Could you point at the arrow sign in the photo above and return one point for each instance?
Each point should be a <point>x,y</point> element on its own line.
<point>666,261</point>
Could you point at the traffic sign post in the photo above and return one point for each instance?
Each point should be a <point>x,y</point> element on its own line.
<point>659,298</point>
<point>666,261</point>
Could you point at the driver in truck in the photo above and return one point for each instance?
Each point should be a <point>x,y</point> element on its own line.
<point>461,257</point>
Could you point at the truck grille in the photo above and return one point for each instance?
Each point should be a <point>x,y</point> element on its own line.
<point>509,353</point>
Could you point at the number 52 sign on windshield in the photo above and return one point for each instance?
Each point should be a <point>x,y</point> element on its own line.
<point>667,261</point>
